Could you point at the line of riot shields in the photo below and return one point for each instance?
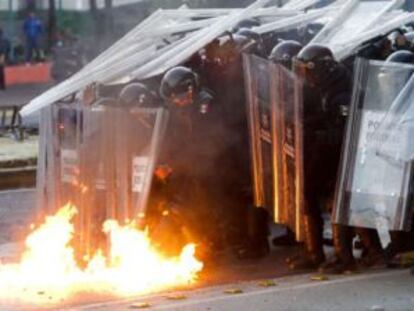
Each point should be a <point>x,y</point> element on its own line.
<point>374,181</point>
<point>101,158</point>
<point>315,140</point>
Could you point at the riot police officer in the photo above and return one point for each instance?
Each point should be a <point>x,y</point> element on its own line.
<point>378,48</point>
<point>325,134</point>
<point>181,87</point>
<point>196,140</point>
<point>223,73</point>
<point>324,122</point>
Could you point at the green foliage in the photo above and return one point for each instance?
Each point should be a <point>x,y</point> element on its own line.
<point>76,23</point>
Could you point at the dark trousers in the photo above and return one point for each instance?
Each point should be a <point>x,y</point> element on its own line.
<point>2,78</point>
<point>31,46</point>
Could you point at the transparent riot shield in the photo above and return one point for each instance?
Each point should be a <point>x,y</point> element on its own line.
<point>399,126</point>
<point>288,128</point>
<point>275,135</point>
<point>100,158</point>
<point>259,108</point>
<point>68,139</point>
<point>58,169</point>
<point>119,154</point>
<point>375,187</point>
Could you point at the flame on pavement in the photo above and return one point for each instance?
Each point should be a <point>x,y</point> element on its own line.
<point>48,273</point>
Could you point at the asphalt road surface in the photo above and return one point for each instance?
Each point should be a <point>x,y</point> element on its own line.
<point>380,290</point>
<point>373,290</point>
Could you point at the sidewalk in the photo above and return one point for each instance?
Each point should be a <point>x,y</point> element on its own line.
<point>20,95</point>
<point>18,158</point>
<point>17,153</point>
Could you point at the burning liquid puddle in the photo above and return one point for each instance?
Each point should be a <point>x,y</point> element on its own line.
<point>47,272</point>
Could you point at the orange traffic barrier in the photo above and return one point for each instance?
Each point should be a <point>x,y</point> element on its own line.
<point>33,73</point>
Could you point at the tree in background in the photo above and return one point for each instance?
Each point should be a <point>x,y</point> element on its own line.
<point>109,17</point>
<point>103,22</point>
<point>52,24</point>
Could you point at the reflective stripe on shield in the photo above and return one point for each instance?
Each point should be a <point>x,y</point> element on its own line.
<point>274,107</point>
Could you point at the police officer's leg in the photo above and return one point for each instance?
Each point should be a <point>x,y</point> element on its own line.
<point>312,218</point>
<point>401,241</point>
<point>344,259</point>
<point>29,50</point>
<point>396,245</point>
<point>313,256</point>
<point>257,244</point>
<point>36,49</point>
<point>373,253</point>
<point>343,237</point>
<point>246,227</point>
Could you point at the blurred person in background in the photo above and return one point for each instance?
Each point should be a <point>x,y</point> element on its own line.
<point>33,30</point>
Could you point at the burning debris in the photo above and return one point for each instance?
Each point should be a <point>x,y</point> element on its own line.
<point>48,272</point>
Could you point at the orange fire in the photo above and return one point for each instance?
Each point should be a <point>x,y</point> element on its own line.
<point>48,272</point>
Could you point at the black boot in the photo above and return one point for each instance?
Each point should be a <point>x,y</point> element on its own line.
<point>314,255</point>
<point>257,245</point>
<point>287,239</point>
<point>374,253</point>
<point>344,259</point>
<point>395,247</point>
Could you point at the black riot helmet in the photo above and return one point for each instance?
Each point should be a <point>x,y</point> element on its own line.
<point>243,44</point>
<point>398,40</point>
<point>249,33</point>
<point>179,86</point>
<point>284,52</point>
<point>258,48</point>
<point>316,62</point>
<point>136,94</point>
<point>247,23</point>
<point>402,56</point>
<point>227,49</point>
